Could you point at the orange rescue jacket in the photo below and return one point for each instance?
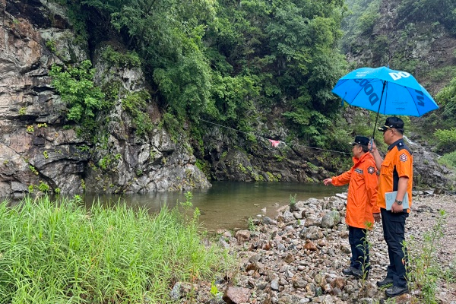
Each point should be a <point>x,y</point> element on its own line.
<point>398,163</point>
<point>362,191</point>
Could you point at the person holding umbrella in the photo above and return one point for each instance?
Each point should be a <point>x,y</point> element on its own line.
<point>396,178</point>
<point>362,207</point>
<point>390,92</point>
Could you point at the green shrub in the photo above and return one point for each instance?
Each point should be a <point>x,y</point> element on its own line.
<point>128,59</point>
<point>50,44</point>
<point>135,104</point>
<point>43,187</point>
<point>446,139</point>
<point>448,160</point>
<point>76,87</point>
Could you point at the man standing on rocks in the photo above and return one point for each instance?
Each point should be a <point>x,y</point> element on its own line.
<point>362,207</point>
<point>396,174</point>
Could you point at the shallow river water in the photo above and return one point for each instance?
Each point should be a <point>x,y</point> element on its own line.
<point>227,204</point>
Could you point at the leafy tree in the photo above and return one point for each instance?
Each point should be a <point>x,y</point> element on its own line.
<point>167,35</point>
<point>233,96</point>
<point>289,47</point>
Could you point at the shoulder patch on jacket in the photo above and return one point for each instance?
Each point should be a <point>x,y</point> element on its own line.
<point>358,170</point>
<point>403,157</point>
<point>371,170</point>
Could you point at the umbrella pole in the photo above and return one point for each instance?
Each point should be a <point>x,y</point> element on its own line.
<point>378,111</point>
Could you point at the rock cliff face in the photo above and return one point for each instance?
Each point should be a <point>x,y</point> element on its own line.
<point>259,161</point>
<point>423,45</point>
<point>37,150</point>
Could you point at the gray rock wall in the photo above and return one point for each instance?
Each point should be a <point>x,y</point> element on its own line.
<point>37,151</point>
<point>424,45</point>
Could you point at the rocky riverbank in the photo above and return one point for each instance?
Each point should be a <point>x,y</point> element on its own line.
<point>298,257</point>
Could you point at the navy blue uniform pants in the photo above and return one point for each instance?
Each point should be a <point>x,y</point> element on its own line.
<point>394,233</point>
<point>359,248</point>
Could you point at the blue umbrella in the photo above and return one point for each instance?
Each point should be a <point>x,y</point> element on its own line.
<point>385,91</point>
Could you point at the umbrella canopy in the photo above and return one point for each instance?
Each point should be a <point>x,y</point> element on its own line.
<point>385,91</point>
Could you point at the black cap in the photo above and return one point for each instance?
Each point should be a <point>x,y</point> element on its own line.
<point>392,122</point>
<point>360,140</point>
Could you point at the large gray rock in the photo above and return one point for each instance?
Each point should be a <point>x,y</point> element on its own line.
<point>330,219</point>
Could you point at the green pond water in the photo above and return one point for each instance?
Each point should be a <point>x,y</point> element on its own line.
<point>226,204</point>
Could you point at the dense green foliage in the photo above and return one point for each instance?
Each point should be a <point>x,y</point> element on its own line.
<point>447,100</point>
<point>284,52</point>
<point>167,34</point>
<point>62,253</point>
<point>232,62</point>
<point>414,11</point>
<point>444,120</point>
<point>446,139</point>
<point>118,59</point>
<point>76,87</point>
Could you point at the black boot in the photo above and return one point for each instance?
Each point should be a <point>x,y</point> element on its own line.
<point>347,271</point>
<point>358,273</point>
<point>396,291</point>
<point>386,281</point>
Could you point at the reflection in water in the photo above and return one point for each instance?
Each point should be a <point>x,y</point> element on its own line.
<point>226,204</point>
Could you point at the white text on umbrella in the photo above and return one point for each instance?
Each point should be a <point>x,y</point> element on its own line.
<point>399,75</point>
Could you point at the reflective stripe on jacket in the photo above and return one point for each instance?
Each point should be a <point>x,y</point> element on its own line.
<point>362,191</point>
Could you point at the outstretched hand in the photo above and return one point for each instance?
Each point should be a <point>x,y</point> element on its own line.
<point>327,181</point>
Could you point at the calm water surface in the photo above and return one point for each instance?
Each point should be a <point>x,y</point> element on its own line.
<point>227,204</point>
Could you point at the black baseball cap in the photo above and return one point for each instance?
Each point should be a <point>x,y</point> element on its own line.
<point>360,140</point>
<point>392,122</point>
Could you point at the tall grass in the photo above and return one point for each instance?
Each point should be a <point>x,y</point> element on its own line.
<point>63,253</point>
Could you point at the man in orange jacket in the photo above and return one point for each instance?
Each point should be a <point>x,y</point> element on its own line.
<point>362,208</point>
<point>396,177</point>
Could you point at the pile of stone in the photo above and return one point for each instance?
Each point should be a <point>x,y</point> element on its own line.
<point>298,257</point>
